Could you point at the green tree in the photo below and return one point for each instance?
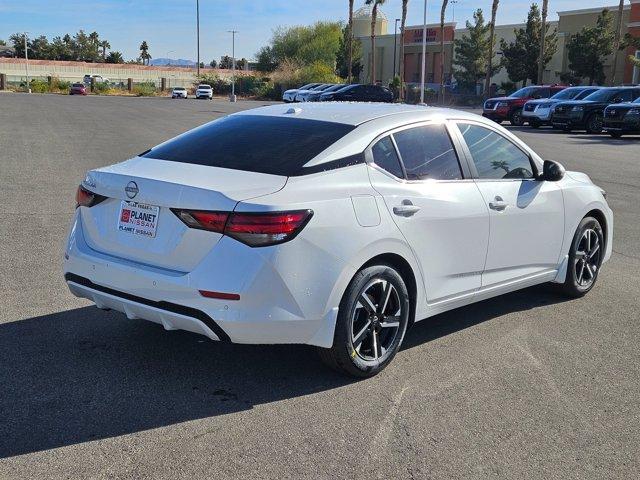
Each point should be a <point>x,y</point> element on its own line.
<point>374,19</point>
<point>471,52</point>
<point>349,45</point>
<point>114,57</point>
<point>492,41</point>
<point>403,22</point>
<point>104,44</point>
<point>521,57</point>
<point>2,43</point>
<point>616,42</point>
<point>588,48</point>
<point>349,60</point>
<point>144,53</point>
<point>226,62</point>
<point>544,27</point>
<point>443,11</point>
<point>303,45</point>
<point>213,63</point>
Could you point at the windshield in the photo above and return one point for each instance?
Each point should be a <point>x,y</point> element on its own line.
<point>179,88</point>
<point>524,92</point>
<point>637,100</point>
<point>585,93</point>
<point>602,95</point>
<point>347,88</point>
<point>308,86</point>
<point>253,143</point>
<point>567,94</point>
<point>205,87</point>
<point>333,88</point>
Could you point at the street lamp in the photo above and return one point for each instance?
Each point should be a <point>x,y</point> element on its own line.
<point>167,57</point>
<point>198,35</point>
<point>453,9</point>
<point>424,52</point>
<point>232,98</point>
<point>395,44</point>
<point>26,61</point>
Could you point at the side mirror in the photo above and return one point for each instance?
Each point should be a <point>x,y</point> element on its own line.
<point>552,171</point>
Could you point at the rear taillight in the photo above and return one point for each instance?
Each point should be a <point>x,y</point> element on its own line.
<point>253,229</point>
<point>86,198</point>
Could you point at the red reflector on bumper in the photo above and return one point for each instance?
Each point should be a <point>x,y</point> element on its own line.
<point>219,295</point>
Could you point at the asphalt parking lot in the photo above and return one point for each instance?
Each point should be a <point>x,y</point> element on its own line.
<point>525,386</point>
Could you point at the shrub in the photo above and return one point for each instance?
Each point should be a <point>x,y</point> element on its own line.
<point>145,89</point>
<point>39,86</point>
<point>101,87</point>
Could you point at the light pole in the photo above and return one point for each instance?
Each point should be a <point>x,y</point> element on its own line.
<point>198,35</point>
<point>232,98</point>
<point>168,59</point>
<point>424,52</point>
<point>453,9</point>
<point>26,61</point>
<point>395,44</point>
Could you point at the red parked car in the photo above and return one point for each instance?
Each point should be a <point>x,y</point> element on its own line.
<point>78,89</point>
<point>509,108</point>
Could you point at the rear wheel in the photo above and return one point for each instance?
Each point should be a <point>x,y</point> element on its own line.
<point>594,123</point>
<point>534,123</point>
<point>372,320</point>
<point>585,258</point>
<point>615,134</point>
<point>516,118</point>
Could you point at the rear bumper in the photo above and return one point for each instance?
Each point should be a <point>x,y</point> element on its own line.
<point>280,303</point>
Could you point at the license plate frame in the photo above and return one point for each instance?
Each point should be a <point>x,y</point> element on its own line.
<point>138,219</point>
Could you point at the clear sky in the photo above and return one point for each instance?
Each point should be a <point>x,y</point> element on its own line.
<point>168,26</point>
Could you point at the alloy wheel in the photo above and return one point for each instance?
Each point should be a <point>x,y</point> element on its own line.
<point>587,258</point>
<point>375,321</point>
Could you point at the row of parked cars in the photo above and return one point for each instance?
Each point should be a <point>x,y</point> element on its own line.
<point>325,92</point>
<point>593,109</point>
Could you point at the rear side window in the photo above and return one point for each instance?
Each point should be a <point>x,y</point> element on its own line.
<point>254,143</point>
<point>494,156</point>
<point>385,156</point>
<point>427,153</point>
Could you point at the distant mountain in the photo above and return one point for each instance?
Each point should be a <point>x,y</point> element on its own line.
<point>173,62</point>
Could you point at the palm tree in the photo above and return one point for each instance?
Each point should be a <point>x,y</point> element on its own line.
<point>405,3</point>
<point>492,38</point>
<point>443,10</point>
<point>616,43</point>
<point>104,44</point>
<point>144,52</point>
<point>374,18</point>
<point>350,60</point>
<point>94,40</point>
<point>543,36</point>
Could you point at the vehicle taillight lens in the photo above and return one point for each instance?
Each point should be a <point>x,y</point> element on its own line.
<point>253,229</point>
<point>86,198</point>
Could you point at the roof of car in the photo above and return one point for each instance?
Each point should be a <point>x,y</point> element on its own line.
<point>354,113</point>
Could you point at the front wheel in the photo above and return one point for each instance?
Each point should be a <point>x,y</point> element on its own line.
<point>516,118</point>
<point>534,123</point>
<point>615,134</point>
<point>594,123</point>
<point>372,320</point>
<point>585,258</point>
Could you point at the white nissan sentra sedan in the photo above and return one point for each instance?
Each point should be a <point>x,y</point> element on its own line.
<point>335,224</point>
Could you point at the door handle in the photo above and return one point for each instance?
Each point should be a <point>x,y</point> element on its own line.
<point>498,204</point>
<point>406,209</point>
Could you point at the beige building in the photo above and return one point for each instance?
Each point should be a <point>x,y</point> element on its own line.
<point>569,23</point>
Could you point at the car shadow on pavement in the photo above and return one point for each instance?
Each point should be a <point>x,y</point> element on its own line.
<point>84,374</point>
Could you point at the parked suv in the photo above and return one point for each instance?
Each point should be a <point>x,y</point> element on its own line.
<point>538,112</point>
<point>290,95</point>
<point>620,118</point>
<point>359,93</point>
<point>587,114</point>
<point>204,91</point>
<point>509,108</point>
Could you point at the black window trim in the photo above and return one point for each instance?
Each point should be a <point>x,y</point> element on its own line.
<point>451,130</point>
<point>472,166</point>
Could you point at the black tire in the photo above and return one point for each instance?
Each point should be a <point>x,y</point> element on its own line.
<point>516,118</point>
<point>566,129</point>
<point>534,123</point>
<point>594,123</point>
<point>615,134</point>
<point>347,355</point>
<point>498,121</point>
<point>576,284</point>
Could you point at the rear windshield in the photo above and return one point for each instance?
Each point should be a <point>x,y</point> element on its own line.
<point>254,143</point>
<point>78,84</point>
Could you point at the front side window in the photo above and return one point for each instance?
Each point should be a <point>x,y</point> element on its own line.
<point>385,156</point>
<point>427,153</point>
<point>494,156</point>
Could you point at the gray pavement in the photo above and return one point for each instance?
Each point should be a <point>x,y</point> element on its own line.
<point>525,386</point>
